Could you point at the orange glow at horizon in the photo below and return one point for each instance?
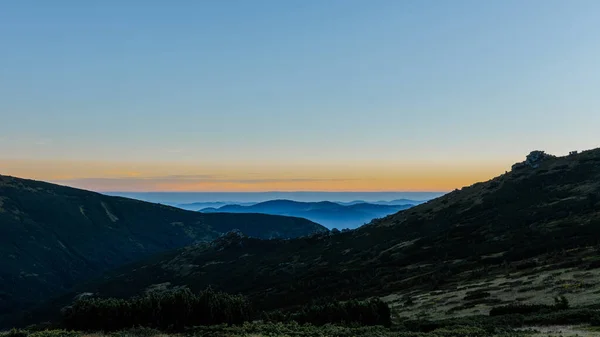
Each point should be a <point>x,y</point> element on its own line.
<point>149,177</point>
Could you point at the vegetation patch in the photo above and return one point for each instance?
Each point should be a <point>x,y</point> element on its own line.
<point>174,310</point>
<point>561,303</point>
<point>371,312</point>
<point>168,310</point>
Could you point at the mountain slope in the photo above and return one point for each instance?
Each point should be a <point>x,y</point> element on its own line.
<point>384,202</point>
<point>53,237</point>
<point>327,213</point>
<point>194,206</point>
<point>520,219</point>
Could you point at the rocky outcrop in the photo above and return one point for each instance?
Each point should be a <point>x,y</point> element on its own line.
<point>533,160</point>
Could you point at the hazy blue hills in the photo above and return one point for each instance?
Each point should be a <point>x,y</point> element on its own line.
<point>245,198</point>
<point>194,206</point>
<point>326,213</point>
<point>385,202</point>
<point>52,237</point>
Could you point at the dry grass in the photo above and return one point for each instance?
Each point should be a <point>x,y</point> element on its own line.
<point>580,287</point>
<point>563,331</point>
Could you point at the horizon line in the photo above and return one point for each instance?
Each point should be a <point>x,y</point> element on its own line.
<point>183,192</point>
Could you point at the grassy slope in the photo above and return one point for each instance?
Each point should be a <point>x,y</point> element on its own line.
<point>53,237</point>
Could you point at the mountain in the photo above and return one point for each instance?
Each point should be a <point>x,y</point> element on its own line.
<point>401,202</point>
<point>329,214</point>
<point>182,198</point>
<point>194,206</point>
<point>384,202</point>
<point>212,206</point>
<point>53,237</point>
<point>534,230</point>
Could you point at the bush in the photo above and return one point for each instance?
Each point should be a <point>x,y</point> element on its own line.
<point>42,333</point>
<point>460,331</point>
<point>371,312</point>
<point>168,310</point>
<point>55,333</point>
<point>490,325</point>
<point>476,295</point>
<point>137,332</point>
<point>522,309</point>
<point>290,329</point>
<point>563,317</point>
<point>560,303</point>
<point>595,319</point>
<point>14,333</point>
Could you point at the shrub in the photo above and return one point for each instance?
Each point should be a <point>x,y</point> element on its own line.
<point>168,310</point>
<point>476,295</point>
<point>371,312</point>
<point>560,303</point>
<point>137,332</point>
<point>14,333</point>
<point>41,333</point>
<point>55,333</point>
<point>519,308</point>
<point>460,331</point>
<point>490,325</point>
<point>570,316</point>
<point>595,319</point>
<point>291,329</point>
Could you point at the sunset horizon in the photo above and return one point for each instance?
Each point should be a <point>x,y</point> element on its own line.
<point>336,96</point>
<point>148,177</point>
<point>403,176</point>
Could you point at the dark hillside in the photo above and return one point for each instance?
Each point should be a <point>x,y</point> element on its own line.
<point>53,237</point>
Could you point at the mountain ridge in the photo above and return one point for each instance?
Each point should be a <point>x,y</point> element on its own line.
<point>327,213</point>
<point>54,237</point>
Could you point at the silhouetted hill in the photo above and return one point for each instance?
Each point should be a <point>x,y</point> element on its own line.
<point>540,216</point>
<point>401,202</point>
<point>384,202</point>
<point>329,214</point>
<point>53,237</point>
<point>194,206</point>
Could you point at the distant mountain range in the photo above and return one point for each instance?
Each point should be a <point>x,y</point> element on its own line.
<point>183,198</point>
<point>194,206</point>
<point>395,202</point>
<point>52,237</point>
<point>326,213</point>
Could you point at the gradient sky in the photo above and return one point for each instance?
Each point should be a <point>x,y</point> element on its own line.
<point>341,95</point>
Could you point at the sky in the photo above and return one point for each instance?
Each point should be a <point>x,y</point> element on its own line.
<point>295,95</point>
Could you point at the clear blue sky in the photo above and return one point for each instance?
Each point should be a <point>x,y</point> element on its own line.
<point>309,87</point>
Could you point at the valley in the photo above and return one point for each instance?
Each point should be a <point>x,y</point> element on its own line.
<point>526,237</point>
<point>329,214</point>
